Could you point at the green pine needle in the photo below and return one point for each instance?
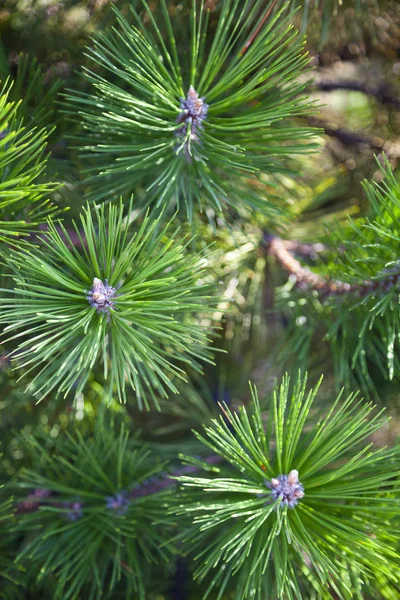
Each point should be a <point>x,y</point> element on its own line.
<point>136,134</point>
<point>362,326</point>
<point>6,513</point>
<point>24,199</point>
<point>146,338</point>
<point>347,513</point>
<point>35,94</point>
<point>91,531</point>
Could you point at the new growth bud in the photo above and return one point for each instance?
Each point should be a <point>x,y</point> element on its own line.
<point>101,295</point>
<point>118,503</point>
<point>286,488</point>
<point>194,112</point>
<point>75,511</point>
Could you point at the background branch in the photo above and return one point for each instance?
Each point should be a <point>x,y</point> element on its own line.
<point>306,279</point>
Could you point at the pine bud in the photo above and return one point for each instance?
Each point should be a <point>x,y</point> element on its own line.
<point>194,112</point>
<point>286,488</point>
<point>75,511</point>
<point>100,296</point>
<point>118,503</point>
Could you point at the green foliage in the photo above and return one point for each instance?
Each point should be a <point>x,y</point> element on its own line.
<point>136,134</point>
<point>5,514</point>
<point>24,199</point>
<point>150,331</point>
<point>361,326</point>
<point>85,520</point>
<point>32,91</point>
<point>344,521</point>
<point>322,13</point>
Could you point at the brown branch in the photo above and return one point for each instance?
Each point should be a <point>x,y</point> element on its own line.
<point>311,250</point>
<point>352,138</point>
<point>305,279</point>
<point>346,137</point>
<point>258,29</point>
<point>37,498</point>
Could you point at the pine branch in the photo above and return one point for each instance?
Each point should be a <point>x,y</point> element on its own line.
<point>199,110</point>
<point>298,497</point>
<point>32,90</point>
<point>350,138</point>
<point>81,492</point>
<point>24,199</point>
<point>306,279</point>
<point>354,138</point>
<point>6,560</point>
<point>40,496</point>
<point>350,301</point>
<point>131,302</point>
<point>193,130</point>
<point>310,250</point>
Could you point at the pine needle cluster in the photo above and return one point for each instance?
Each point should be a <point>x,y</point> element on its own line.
<point>85,516</point>
<point>130,302</point>
<point>356,312</point>
<point>191,114</point>
<point>24,198</point>
<point>193,130</point>
<point>300,496</point>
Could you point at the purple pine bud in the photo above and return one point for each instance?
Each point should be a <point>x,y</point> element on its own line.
<point>118,503</point>
<point>286,488</point>
<point>75,511</point>
<point>33,500</point>
<point>101,295</point>
<point>40,493</point>
<point>194,112</point>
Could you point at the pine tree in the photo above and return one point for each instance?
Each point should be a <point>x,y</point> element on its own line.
<point>169,230</point>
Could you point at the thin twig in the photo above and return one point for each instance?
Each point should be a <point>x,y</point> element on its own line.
<point>352,138</point>
<point>305,279</point>
<point>150,486</point>
<point>346,137</point>
<point>311,250</point>
<point>258,29</point>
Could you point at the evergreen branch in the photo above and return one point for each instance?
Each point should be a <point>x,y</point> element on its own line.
<point>33,92</point>
<point>351,138</point>
<point>156,483</point>
<point>306,279</point>
<point>82,492</point>
<point>193,132</point>
<point>6,513</point>
<point>354,138</point>
<point>310,250</point>
<point>128,302</point>
<point>297,496</point>
<point>24,202</point>
<point>354,309</point>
